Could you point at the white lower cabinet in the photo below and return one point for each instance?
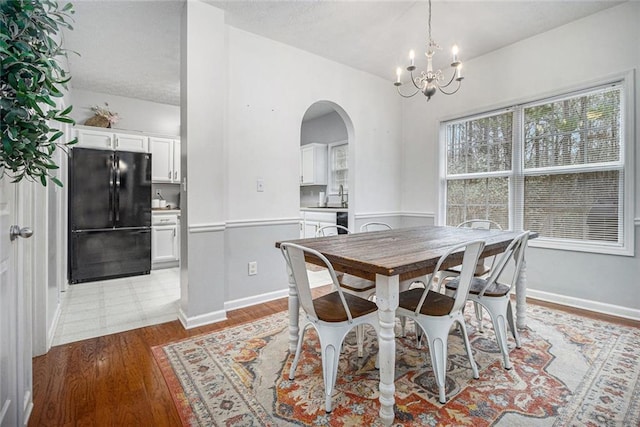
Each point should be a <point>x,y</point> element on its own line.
<point>165,240</point>
<point>312,221</point>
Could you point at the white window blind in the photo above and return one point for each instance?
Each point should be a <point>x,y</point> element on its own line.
<point>555,166</point>
<point>479,158</point>
<point>573,168</point>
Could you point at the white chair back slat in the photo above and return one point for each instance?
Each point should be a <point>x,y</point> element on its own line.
<point>472,251</point>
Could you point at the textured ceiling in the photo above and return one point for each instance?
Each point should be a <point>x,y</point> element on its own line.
<point>131,48</point>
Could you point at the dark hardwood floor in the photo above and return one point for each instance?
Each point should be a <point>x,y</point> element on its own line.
<point>114,380</point>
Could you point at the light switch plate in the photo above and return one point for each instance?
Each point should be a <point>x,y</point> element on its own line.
<point>260,185</point>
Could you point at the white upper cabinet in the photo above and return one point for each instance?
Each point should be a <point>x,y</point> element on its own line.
<point>313,164</point>
<point>165,159</point>
<point>109,140</point>
<point>128,142</point>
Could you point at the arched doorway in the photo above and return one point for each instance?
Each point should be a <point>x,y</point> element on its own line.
<point>327,161</point>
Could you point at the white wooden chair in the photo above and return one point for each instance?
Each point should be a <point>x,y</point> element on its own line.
<point>374,226</point>
<point>332,315</point>
<point>435,313</point>
<point>494,295</point>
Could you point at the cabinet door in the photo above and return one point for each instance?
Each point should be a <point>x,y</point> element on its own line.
<point>310,228</point>
<point>126,142</point>
<point>306,165</point>
<point>94,139</point>
<point>161,159</point>
<point>164,243</point>
<point>177,177</point>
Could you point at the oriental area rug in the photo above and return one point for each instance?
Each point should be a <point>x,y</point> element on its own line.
<point>570,371</point>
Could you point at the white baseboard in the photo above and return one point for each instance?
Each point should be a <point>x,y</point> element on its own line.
<point>256,299</point>
<point>598,307</point>
<point>201,320</point>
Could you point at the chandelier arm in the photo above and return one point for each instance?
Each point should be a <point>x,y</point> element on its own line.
<point>406,96</point>
<point>453,76</point>
<point>413,80</point>
<point>450,93</point>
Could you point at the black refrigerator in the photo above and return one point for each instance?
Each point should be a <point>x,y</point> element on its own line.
<point>109,214</point>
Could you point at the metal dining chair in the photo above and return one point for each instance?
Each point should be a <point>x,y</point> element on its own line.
<point>374,226</point>
<point>331,230</point>
<point>332,315</point>
<point>435,313</point>
<point>352,284</point>
<point>494,294</point>
<point>483,268</point>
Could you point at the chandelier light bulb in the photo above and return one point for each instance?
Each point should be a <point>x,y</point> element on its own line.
<point>412,57</point>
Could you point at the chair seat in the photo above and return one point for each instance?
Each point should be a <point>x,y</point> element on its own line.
<point>329,308</point>
<point>355,284</point>
<point>481,270</point>
<point>436,304</point>
<point>477,284</point>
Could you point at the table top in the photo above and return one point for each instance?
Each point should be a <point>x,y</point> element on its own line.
<point>408,252</point>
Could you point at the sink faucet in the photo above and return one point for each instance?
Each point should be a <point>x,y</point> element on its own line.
<point>343,202</point>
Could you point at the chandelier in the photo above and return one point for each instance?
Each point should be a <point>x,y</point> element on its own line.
<point>430,81</point>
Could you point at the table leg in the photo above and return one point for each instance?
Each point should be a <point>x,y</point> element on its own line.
<point>387,301</point>
<point>521,297</point>
<point>294,312</point>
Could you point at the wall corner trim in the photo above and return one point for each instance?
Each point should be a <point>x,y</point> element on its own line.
<point>206,228</point>
<point>201,320</point>
<point>261,222</point>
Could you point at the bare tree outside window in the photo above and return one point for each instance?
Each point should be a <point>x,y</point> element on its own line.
<point>561,174</point>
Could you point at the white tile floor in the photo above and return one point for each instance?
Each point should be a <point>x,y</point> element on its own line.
<point>100,308</point>
<point>94,309</point>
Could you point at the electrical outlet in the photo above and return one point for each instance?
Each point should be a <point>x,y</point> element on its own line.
<point>158,193</point>
<point>253,268</point>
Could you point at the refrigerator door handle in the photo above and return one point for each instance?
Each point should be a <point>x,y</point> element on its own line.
<point>117,168</point>
<point>111,188</point>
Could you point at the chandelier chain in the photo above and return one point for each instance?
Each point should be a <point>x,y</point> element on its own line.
<point>430,39</point>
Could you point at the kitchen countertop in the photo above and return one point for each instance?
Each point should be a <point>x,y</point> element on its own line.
<point>165,210</point>
<point>317,209</point>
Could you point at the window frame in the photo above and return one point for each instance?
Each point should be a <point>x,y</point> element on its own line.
<point>517,174</point>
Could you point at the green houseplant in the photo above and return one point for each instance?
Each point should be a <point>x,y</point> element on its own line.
<point>30,81</point>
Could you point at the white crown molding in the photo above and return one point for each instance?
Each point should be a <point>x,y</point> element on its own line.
<point>598,307</point>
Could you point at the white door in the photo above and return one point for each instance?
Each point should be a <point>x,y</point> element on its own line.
<point>13,360</point>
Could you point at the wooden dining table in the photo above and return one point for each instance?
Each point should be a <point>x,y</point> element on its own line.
<point>393,259</point>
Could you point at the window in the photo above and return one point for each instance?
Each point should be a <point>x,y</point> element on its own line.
<point>338,167</point>
<point>557,166</point>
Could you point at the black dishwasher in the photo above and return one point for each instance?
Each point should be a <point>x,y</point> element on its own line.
<point>342,218</point>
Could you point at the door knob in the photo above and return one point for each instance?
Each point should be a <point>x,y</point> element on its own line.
<point>15,231</point>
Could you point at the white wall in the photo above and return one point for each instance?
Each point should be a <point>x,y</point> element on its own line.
<point>135,114</point>
<point>580,52</point>
<point>324,129</point>
<point>269,93</point>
